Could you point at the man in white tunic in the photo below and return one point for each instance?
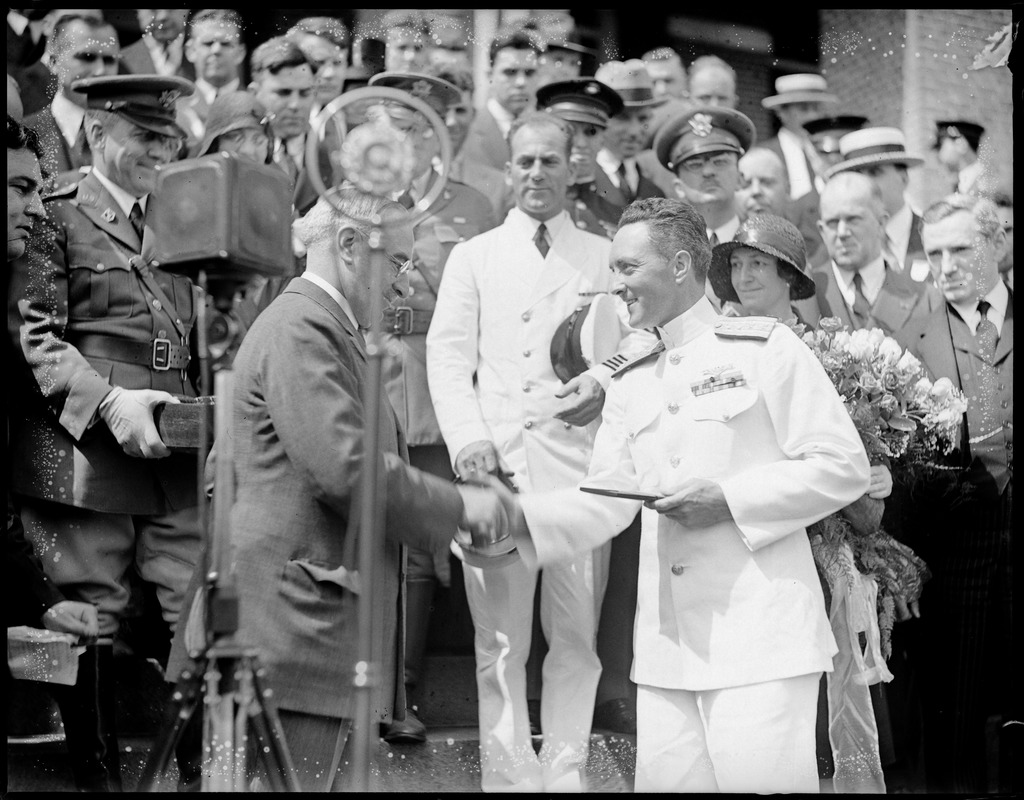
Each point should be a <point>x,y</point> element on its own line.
<point>734,427</point>
<point>500,405</point>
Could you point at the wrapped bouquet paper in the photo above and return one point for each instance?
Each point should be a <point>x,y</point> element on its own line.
<point>34,654</point>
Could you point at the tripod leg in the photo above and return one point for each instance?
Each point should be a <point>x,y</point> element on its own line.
<point>271,744</point>
<point>180,712</point>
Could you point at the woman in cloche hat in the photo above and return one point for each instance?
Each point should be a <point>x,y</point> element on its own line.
<point>763,269</point>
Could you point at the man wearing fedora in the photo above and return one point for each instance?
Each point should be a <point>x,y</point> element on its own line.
<point>458,214</point>
<point>587,105</point>
<point>103,339</point>
<point>628,170</point>
<point>957,143</point>
<point>855,281</point>
<point>881,154</point>
<point>799,98</point>
<point>825,133</point>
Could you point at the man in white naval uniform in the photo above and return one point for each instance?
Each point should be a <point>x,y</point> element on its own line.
<point>733,424</point>
<point>500,405</point>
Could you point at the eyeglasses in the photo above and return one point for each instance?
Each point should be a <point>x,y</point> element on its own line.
<point>718,161</point>
<point>91,58</point>
<point>400,266</point>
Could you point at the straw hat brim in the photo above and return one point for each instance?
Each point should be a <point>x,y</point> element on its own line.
<point>871,160</point>
<point>807,96</point>
<point>720,271</point>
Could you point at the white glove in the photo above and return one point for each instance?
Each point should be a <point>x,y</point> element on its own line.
<point>129,415</point>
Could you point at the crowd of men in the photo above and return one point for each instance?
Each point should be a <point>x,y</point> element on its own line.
<point>693,619</point>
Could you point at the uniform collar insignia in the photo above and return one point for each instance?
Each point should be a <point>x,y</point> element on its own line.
<point>108,215</point>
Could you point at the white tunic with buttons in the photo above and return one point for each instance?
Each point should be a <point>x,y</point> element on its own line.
<point>488,348</point>
<point>738,602</point>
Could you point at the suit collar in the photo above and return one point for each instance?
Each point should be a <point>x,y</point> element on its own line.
<point>313,291</point>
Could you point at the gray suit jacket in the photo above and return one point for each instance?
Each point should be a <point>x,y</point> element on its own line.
<point>485,143</point>
<point>899,300</point>
<point>298,421</point>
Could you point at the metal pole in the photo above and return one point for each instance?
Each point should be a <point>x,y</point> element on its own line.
<point>371,532</point>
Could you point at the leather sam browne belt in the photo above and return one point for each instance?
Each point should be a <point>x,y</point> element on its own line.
<point>403,321</point>
<point>159,354</point>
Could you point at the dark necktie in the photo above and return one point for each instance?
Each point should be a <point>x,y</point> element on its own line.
<point>986,334</point>
<point>624,185</point>
<point>861,306</point>
<point>80,149</point>
<point>541,240</point>
<point>713,239</point>
<point>137,220</point>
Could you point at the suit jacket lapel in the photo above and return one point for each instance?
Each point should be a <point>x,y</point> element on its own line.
<point>100,207</point>
<point>937,346</point>
<point>607,189</point>
<point>894,304</point>
<point>835,303</point>
<point>557,270</point>
<point>314,292</point>
<point>1005,344</point>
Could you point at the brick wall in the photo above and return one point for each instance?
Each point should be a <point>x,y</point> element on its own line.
<point>908,68</point>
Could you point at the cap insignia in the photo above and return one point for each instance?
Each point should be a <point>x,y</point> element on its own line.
<point>421,89</point>
<point>168,98</point>
<point>700,124</point>
<point>591,88</point>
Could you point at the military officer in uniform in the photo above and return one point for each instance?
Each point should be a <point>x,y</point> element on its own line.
<point>587,105</point>
<point>734,431</point>
<point>458,214</point>
<point>104,338</point>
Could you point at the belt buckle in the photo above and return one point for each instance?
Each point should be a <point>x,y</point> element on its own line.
<point>402,326</point>
<point>162,354</point>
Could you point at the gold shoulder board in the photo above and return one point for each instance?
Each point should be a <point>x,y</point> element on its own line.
<point>745,327</point>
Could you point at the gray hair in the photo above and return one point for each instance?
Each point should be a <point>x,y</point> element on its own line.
<point>348,206</point>
<point>982,210</point>
<point>851,181</point>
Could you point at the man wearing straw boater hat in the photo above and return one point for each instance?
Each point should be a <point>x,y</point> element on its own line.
<point>628,170</point>
<point>798,99</point>
<point>881,154</point>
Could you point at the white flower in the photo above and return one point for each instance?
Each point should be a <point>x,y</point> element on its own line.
<point>841,341</point>
<point>908,362</point>
<point>889,351</point>
<point>860,346</point>
<point>942,390</point>
<point>876,336</point>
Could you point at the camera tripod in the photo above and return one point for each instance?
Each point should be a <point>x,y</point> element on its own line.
<point>228,678</point>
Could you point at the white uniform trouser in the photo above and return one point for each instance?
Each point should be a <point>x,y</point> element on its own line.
<point>501,602</point>
<point>755,738</point>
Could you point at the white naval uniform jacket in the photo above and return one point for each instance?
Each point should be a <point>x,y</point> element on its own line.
<point>489,345</point>
<point>739,602</point>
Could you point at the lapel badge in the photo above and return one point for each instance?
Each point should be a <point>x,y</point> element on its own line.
<point>700,124</point>
<point>108,215</point>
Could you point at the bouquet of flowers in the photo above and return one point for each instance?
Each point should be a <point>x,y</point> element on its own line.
<point>905,421</point>
<point>902,417</point>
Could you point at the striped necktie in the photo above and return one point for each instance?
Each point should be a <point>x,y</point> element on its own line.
<point>986,334</point>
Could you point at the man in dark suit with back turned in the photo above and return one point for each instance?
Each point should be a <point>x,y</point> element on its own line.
<point>295,517</point>
<point>964,535</point>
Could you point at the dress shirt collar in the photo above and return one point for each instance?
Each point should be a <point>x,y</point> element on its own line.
<point>68,116</point>
<point>17,21</point>
<point>609,162</point>
<point>998,298</point>
<point>210,92</point>
<point>689,325</point>
<point>336,296</point>
<point>872,277</point>
<point>125,200</point>
<point>726,232</point>
<point>501,115</point>
<point>898,230</point>
<point>166,60</point>
<point>528,225</point>
<point>794,155</point>
<point>968,175</point>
